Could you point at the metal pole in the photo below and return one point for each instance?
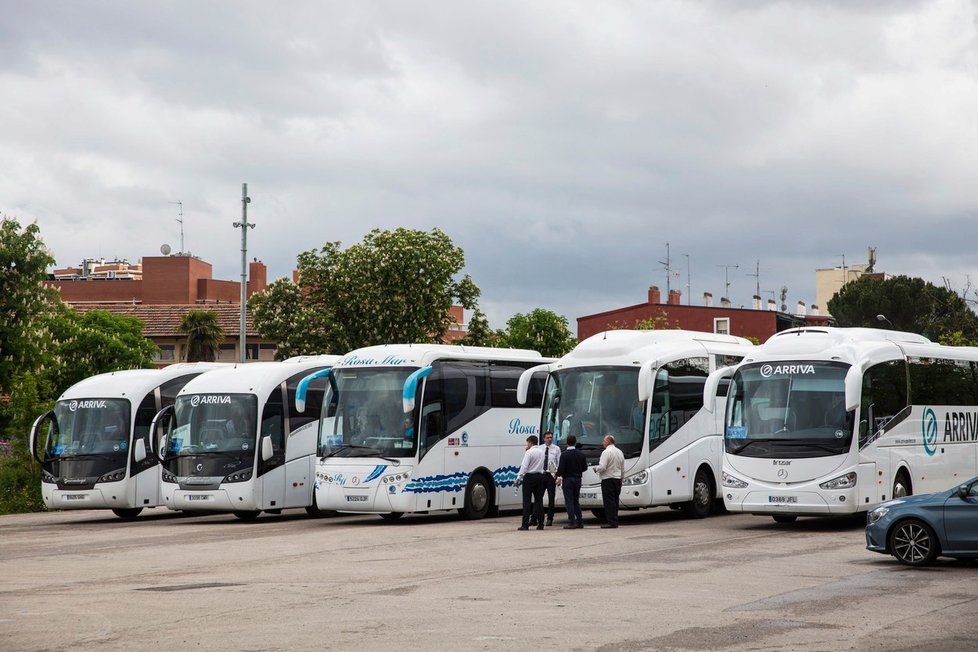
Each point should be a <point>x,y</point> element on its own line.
<point>244,226</point>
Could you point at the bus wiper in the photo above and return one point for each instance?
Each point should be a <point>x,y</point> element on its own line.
<point>82,456</point>
<point>344,447</point>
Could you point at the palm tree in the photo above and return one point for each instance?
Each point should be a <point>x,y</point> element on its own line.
<point>204,335</point>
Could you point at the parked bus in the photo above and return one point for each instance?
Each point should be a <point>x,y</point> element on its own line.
<point>233,443</point>
<point>423,428</point>
<point>826,421</point>
<point>94,447</point>
<point>646,389</point>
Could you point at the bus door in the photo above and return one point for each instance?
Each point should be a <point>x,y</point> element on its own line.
<point>271,472</point>
<point>302,440</point>
<point>144,466</point>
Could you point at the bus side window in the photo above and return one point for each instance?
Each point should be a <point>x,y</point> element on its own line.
<point>884,395</point>
<point>314,399</point>
<point>432,424</point>
<point>144,417</point>
<point>272,424</point>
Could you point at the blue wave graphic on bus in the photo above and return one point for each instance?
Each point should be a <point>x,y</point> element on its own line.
<point>437,483</point>
<point>375,473</point>
<point>506,476</point>
<point>929,430</point>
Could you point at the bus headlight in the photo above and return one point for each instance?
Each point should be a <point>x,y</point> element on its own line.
<point>732,482</point>
<point>168,477</point>
<point>113,476</point>
<point>847,481</point>
<point>396,477</point>
<point>638,478</point>
<point>238,476</point>
<point>876,514</point>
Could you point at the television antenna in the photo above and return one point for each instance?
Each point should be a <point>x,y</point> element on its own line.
<point>180,219</point>
<point>726,278</point>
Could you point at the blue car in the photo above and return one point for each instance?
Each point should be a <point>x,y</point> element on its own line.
<point>916,529</point>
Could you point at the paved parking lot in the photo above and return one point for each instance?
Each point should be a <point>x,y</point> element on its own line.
<point>88,581</point>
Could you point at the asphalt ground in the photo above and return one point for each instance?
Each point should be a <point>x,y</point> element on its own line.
<point>88,581</point>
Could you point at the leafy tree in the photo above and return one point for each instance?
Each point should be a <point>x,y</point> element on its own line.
<point>480,333</point>
<point>204,335</point>
<point>93,343</point>
<point>910,304</point>
<point>394,287</point>
<point>541,330</point>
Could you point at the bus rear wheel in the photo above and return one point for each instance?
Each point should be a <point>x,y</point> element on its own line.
<point>248,516</point>
<point>127,513</point>
<point>703,497</point>
<point>478,498</point>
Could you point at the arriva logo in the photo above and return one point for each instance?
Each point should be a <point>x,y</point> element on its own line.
<point>87,405</point>
<point>786,369</point>
<point>928,427</point>
<point>197,399</point>
<point>517,428</point>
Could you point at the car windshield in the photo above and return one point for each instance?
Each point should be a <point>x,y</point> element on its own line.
<point>788,409</point>
<point>363,414</point>
<point>92,426</point>
<point>590,403</point>
<point>208,423</point>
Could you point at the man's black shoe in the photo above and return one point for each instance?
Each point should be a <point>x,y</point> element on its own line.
<point>539,527</point>
<point>608,526</point>
<point>550,522</point>
<point>522,527</point>
<point>570,527</point>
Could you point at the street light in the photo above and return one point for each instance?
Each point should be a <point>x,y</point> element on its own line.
<point>883,318</point>
<point>244,226</point>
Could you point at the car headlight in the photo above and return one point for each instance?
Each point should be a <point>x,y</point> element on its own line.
<point>875,515</point>
<point>638,478</point>
<point>732,482</point>
<point>847,481</point>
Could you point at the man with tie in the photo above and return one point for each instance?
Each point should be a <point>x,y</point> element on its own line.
<point>531,475</point>
<point>551,459</point>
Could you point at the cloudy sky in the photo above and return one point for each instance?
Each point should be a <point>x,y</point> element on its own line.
<point>561,144</point>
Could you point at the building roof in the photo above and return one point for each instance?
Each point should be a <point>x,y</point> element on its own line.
<point>164,320</point>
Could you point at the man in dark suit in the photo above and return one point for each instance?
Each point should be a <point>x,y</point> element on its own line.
<point>570,469</point>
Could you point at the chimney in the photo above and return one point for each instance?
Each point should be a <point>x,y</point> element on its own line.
<point>757,302</point>
<point>674,296</point>
<point>772,305</point>
<point>814,310</point>
<point>708,299</point>
<point>801,309</point>
<point>257,277</point>
<point>654,296</point>
<point>724,302</point>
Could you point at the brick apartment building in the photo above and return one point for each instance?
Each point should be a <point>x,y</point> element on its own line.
<point>160,291</point>
<point>755,322</point>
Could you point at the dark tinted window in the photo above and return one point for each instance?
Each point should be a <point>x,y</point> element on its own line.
<point>676,397</point>
<point>942,382</point>
<point>884,395</point>
<point>504,378</point>
<point>314,399</point>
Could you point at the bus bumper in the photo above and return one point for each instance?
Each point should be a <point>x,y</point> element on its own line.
<point>107,495</point>
<point>779,500</point>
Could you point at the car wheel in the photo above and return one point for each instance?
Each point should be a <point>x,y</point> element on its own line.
<point>913,543</point>
<point>702,502</point>
<point>784,518</point>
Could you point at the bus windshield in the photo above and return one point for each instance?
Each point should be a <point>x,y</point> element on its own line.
<point>363,414</point>
<point>590,403</point>
<point>791,409</point>
<point>220,423</point>
<point>91,426</point>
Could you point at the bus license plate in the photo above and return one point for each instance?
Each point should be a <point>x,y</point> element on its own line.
<point>193,497</point>
<point>356,499</point>
<point>782,499</point>
<point>590,495</point>
<point>74,496</point>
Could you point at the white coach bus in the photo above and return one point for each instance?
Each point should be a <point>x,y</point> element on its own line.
<point>95,448</point>
<point>232,442</point>
<point>827,421</point>
<point>646,389</point>
<point>422,428</point>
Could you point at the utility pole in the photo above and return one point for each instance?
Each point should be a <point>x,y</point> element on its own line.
<point>180,219</point>
<point>726,279</point>
<point>244,226</point>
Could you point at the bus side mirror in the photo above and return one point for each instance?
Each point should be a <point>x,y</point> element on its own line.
<point>711,385</point>
<point>854,388</point>
<point>158,432</point>
<point>266,448</point>
<point>139,451</point>
<point>36,427</point>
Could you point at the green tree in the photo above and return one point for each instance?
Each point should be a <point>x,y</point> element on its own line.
<point>93,343</point>
<point>480,333</point>
<point>204,335</point>
<point>910,304</point>
<point>394,287</point>
<point>541,330</point>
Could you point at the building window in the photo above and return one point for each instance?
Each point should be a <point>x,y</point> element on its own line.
<point>267,351</point>
<point>721,325</point>
<point>251,351</point>
<point>167,353</point>
<point>226,353</point>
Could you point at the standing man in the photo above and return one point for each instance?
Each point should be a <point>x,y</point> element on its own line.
<point>551,460</point>
<point>611,470</point>
<point>572,466</point>
<point>531,470</point>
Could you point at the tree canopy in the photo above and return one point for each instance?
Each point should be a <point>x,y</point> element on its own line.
<point>394,287</point>
<point>541,330</point>
<point>909,304</point>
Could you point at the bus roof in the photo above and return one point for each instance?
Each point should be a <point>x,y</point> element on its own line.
<point>850,345</point>
<point>131,383</point>
<point>422,355</point>
<point>254,377</point>
<point>634,347</point>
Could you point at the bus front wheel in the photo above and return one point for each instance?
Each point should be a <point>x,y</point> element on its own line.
<point>248,516</point>
<point>478,498</point>
<point>703,496</point>
<point>784,518</point>
<point>901,486</point>
<point>392,516</point>
<point>598,514</point>
<point>127,513</point>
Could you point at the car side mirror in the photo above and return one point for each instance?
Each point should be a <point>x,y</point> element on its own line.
<point>963,491</point>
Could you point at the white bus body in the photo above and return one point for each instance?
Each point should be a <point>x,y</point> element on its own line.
<point>95,442</point>
<point>646,389</point>
<point>422,428</point>
<point>233,443</point>
<point>831,421</point>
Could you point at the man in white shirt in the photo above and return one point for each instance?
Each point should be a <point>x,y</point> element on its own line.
<point>551,458</point>
<point>611,470</point>
<point>532,472</point>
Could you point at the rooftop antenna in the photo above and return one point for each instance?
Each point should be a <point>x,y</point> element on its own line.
<point>180,219</point>
<point>666,266</point>
<point>784,298</point>
<point>726,279</point>
<point>757,277</point>
<point>689,292</point>
<point>844,275</point>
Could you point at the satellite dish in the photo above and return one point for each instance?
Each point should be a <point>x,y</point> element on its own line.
<point>165,250</point>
